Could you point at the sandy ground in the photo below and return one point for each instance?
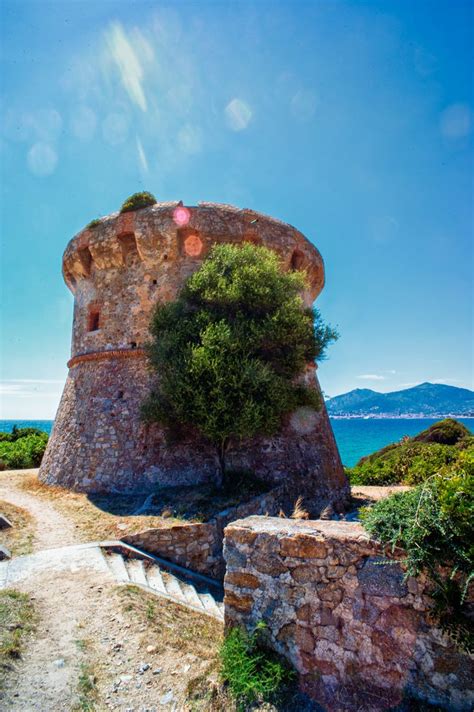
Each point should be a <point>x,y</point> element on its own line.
<point>52,529</point>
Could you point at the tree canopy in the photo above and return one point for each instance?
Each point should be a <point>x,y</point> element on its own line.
<point>229,350</point>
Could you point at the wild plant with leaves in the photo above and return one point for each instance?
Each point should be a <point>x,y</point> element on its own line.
<point>229,351</point>
<point>434,524</point>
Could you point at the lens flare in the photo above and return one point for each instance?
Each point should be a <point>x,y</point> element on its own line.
<point>193,245</point>
<point>181,216</point>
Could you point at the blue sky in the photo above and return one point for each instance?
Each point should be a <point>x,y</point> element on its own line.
<point>352,121</point>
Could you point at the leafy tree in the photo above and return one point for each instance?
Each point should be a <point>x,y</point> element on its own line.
<point>230,350</point>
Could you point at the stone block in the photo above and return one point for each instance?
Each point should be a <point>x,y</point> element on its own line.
<point>242,579</point>
<point>243,604</point>
<point>377,577</point>
<point>303,547</point>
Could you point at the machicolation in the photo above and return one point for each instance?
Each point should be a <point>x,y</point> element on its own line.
<point>118,269</point>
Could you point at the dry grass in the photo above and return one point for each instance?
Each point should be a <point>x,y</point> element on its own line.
<point>170,625</point>
<point>299,512</point>
<point>96,517</point>
<point>18,539</point>
<point>17,618</point>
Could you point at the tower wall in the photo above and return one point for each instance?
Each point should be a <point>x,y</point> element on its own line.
<point>117,271</point>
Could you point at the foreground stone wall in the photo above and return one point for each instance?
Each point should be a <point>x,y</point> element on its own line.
<point>359,635</point>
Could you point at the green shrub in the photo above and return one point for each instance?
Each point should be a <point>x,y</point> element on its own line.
<point>413,460</point>
<point>230,349</point>
<point>444,432</point>
<point>137,201</point>
<point>253,673</point>
<point>94,223</point>
<point>23,451</point>
<point>434,524</point>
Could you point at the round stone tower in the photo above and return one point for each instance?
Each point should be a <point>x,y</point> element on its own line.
<point>117,270</point>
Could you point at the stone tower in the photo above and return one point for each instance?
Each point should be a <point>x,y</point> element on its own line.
<point>117,270</point>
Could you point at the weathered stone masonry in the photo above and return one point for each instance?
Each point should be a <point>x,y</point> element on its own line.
<point>358,634</point>
<point>117,271</point>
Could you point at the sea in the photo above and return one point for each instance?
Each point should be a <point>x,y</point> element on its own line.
<point>355,437</point>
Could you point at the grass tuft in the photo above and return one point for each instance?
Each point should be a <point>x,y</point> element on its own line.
<point>252,673</point>
<point>17,619</point>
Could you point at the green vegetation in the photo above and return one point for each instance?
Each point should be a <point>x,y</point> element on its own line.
<point>137,201</point>
<point>413,460</point>
<point>434,523</point>
<point>252,673</point>
<point>17,618</point>
<point>86,688</point>
<point>230,349</point>
<point>94,223</point>
<point>22,448</point>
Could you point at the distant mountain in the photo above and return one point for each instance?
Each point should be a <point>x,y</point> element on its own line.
<point>430,399</point>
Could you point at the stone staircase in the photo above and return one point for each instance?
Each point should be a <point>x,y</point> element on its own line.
<point>162,578</point>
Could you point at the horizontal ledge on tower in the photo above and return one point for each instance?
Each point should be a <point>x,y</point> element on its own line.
<point>105,355</point>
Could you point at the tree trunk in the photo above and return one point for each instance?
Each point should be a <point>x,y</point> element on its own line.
<point>221,453</point>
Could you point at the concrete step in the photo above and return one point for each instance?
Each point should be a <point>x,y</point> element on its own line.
<point>155,579</point>
<point>130,565</point>
<point>173,587</point>
<point>209,604</point>
<point>136,571</point>
<point>117,566</point>
<point>191,595</point>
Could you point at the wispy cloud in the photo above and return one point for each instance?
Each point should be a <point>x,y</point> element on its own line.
<point>30,387</point>
<point>371,377</point>
<point>32,380</point>
<point>142,159</point>
<point>128,64</point>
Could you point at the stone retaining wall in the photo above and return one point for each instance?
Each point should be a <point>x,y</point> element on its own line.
<point>198,546</point>
<point>357,632</point>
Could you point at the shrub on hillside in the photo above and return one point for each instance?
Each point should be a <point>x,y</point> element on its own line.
<point>23,448</point>
<point>434,524</point>
<point>413,460</point>
<point>137,201</point>
<point>445,432</point>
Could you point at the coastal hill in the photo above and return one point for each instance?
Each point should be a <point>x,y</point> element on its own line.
<point>430,399</point>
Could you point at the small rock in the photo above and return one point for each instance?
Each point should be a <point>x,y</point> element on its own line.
<point>151,649</point>
<point>143,668</point>
<point>186,668</point>
<point>167,698</point>
<point>125,679</point>
<point>60,663</point>
<point>157,671</point>
<point>4,522</point>
<point>4,553</point>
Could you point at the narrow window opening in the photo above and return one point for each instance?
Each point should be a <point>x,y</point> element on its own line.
<point>120,395</point>
<point>86,260</point>
<point>165,257</point>
<point>128,245</point>
<point>297,260</point>
<point>155,281</point>
<point>94,320</point>
<point>133,344</point>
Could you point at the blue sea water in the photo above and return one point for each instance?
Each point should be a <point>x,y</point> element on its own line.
<point>356,437</point>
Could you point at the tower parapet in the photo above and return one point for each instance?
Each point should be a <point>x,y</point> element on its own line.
<point>118,269</point>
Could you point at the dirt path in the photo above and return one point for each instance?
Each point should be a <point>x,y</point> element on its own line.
<point>52,528</point>
<point>47,678</point>
<point>87,653</point>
